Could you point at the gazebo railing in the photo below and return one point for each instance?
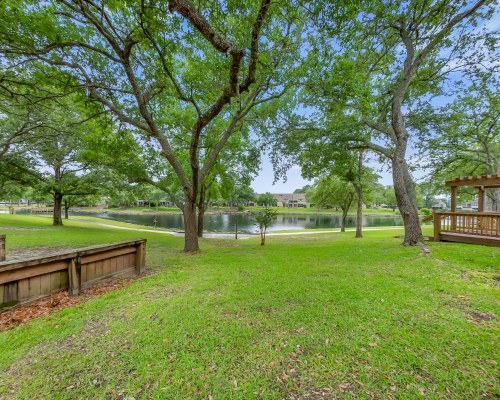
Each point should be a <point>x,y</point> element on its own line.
<point>467,223</point>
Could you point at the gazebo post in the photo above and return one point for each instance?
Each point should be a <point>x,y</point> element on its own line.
<point>454,190</point>
<point>453,199</point>
<point>480,199</point>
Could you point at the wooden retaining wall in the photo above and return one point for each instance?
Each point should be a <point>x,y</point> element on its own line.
<point>30,279</point>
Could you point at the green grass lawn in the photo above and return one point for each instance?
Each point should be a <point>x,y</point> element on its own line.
<point>116,223</point>
<point>303,317</point>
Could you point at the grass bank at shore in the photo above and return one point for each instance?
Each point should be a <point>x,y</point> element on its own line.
<point>302,317</point>
<point>214,210</point>
<point>280,210</point>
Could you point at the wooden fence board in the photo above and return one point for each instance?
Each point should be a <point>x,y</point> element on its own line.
<point>34,286</point>
<point>63,279</point>
<point>45,284</point>
<point>10,292</point>
<point>11,275</point>
<point>119,263</point>
<point>99,267</point>
<point>90,267</point>
<point>55,280</point>
<point>83,274</point>
<point>34,262</point>
<point>106,268</point>
<point>112,253</point>
<point>113,265</point>
<point>23,289</point>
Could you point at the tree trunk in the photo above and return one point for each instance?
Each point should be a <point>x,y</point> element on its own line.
<point>201,211</point>
<point>66,209</point>
<point>359,212</point>
<point>406,198</point>
<point>190,232</point>
<point>344,217</point>
<point>199,226</point>
<point>359,195</point>
<point>57,220</point>
<point>494,196</point>
<point>404,186</point>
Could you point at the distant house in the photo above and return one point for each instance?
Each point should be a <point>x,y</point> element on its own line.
<point>439,205</point>
<point>292,200</point>
<point>469,205</point>
<point>148,203</point>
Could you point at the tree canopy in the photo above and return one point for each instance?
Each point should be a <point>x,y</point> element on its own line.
<point>172,94</point>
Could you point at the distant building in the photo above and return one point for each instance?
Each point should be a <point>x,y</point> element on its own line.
<point>469,205</point>
<point>439,205</point>
<point>148,203</point>
<point>292,200</point>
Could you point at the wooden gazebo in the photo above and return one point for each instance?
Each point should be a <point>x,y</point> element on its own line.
<point>469,227</point>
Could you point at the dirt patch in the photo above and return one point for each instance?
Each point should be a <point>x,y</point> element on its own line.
<point>12,228</point>
<point>40,308</point>
<point>326,393</point>
<point>488,278</point>
<point>301,238</point>
<point>22,253</point>
<point>225,243</point>
<point>426,238</point>
<point>478,317</point>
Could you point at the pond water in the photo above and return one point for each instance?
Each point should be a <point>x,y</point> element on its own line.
<point>226,222</point>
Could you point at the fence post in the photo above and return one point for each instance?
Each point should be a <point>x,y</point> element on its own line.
<point>453,225</point>
<point>74,276</point>
<point>437,227</point>
<point>140,258</point>
<point>2,247</point>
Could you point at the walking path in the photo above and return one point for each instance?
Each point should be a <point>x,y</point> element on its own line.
<point>212,235</point>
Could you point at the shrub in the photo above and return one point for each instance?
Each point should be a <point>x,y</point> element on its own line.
<point>425,211</point>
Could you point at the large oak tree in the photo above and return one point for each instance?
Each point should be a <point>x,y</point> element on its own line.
<point>170,70</point>
<point>373,72</point>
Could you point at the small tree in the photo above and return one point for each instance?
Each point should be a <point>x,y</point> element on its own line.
<point>262,220</point>
<point>331,191</point>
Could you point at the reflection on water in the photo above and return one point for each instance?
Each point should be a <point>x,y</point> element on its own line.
<point>226,222</point>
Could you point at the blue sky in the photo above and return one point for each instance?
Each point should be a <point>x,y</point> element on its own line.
<point>264,181</point>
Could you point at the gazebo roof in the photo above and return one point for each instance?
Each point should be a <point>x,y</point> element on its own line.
<point>485,181</point>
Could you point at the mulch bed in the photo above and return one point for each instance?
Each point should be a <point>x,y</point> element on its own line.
<point>21,314</point>
<point>22,253</point>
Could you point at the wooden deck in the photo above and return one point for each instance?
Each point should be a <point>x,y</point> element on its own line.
<point>475,228</point>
